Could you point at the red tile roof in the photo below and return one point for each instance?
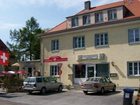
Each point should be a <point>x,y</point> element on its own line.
<point>61,26</point>
<point>102,7</point>
<point>133,6</point>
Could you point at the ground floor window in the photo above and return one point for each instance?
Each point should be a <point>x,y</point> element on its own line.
<point>91,70</point>
<point>102,70</point>
<point>80,71</point>
<point>54,70</point>
<point>134,68</point>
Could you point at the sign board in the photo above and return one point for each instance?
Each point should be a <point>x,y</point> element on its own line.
<point>91,57</point>
<point>55,59</point>
<point>113,74</point>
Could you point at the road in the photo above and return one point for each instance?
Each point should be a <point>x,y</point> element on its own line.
<point>72,97</point>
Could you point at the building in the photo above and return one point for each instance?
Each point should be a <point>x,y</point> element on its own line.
<point>32,67</point>
<point>97,41</point>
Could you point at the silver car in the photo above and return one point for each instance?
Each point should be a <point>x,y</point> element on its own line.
<point>98,84</point>
<point>41,84</point>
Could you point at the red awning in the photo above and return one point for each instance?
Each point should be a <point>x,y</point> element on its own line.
<point>21,72</point>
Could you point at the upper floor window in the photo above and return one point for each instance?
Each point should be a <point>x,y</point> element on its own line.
<point>133,68</point>
<point>55,45</point>
<point>101,39</point>
<point>99,17</point>
<point>79,42</point>
<point>86,19</point>
<point>54,71</point>
<point>112,14</point>
<point>134,35</point>
<point>74,21</point>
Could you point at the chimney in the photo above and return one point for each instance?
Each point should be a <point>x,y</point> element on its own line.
<point>87,4</point>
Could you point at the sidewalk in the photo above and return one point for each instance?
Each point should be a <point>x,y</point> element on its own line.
<point>5,102</point>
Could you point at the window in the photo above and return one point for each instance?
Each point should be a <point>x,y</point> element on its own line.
<point>39,80</point>
<point>112,14</point>
<point>99,17</point>
<point>134,35</point>
<point>80,71</point>
<point>55,45</point>
<point>101,39</point>
<point>79,42</point>
<point>74,21</point>
<point>54,71</point>
<point>133,68</point>
<point>86,19</point>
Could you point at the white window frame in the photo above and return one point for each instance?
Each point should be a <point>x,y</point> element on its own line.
<point>98,17</point>
<point>55,45</point>
<point>87,19</point>
<point>133,68</point>
<point>99,35</point>
<point>112,14</point>
<point>132,34</point>
<point>79,42</point>
<point>54,70</point>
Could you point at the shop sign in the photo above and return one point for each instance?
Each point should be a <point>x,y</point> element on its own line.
<point>113,74</point>
<point>55,59</point>
<point>91,57</point>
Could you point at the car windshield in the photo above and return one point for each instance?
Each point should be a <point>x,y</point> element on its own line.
<point>93,79</point>
<point>29,80</point>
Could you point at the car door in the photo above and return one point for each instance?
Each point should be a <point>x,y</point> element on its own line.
<point>105,84</point>
<point>39,83</point>
<point>109,84</point>
<point>47,83</point>
<point>52,83</point>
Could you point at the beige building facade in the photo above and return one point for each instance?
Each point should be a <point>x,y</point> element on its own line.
<point>109,48</point>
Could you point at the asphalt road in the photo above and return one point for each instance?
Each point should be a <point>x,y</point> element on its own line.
<point>72,97</point>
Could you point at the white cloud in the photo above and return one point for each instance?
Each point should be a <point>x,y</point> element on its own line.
<point>58,3</point>
<point>5,26</point>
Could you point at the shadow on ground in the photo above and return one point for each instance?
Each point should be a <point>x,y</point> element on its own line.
<point>108,93</point>
<point>47,93</point>
<point>6,95</point>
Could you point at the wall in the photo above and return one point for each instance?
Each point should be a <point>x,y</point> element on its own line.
<point>118,51</point>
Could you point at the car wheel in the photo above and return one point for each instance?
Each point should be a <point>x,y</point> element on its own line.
<point>85,92</point>
<point>43,91</point>
<point>102,90</point>
<point>60,88</point>
<point>114,88</point>
<point>29,92</point>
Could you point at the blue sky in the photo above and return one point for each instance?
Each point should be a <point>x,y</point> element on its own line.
<point>14,13</point>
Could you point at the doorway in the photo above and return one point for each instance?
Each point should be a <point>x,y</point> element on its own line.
<point>91,70</point>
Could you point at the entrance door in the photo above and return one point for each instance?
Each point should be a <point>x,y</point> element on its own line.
<point>29,72</point>
<point>91,71</point>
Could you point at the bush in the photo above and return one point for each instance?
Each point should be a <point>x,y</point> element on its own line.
<point>12,83</point>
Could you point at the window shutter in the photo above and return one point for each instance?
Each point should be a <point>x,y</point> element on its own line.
<point>52,45</point>
<point>96,39</point>
<point>130,33</point>
<point>74,42</point>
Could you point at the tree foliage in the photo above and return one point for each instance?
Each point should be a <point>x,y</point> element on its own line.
<point>26,43</point>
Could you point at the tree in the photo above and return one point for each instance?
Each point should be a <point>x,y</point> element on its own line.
<point>26,44</point>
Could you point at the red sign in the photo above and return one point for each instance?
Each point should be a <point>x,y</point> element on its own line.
<point>55,59</point>
<point>4,56</point>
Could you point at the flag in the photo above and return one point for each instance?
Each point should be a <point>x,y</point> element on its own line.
<point>4,56</point>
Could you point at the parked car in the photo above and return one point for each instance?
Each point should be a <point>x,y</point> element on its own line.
<point>98,84</point>
<point>41,84</point>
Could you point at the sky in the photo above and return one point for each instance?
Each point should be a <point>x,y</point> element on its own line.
<point>48,13</point>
